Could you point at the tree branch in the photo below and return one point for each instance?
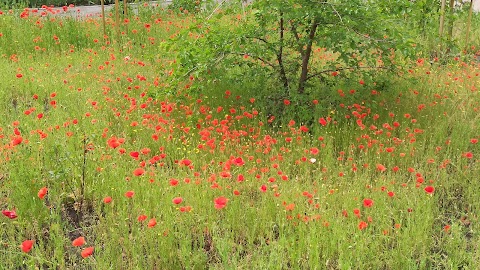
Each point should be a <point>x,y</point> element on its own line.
<point>297,38</point>
<point>341,69</point>
<point>255,57</point>
<point>283,74</point>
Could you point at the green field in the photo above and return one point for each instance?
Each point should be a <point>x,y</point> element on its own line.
<point>103,136</point>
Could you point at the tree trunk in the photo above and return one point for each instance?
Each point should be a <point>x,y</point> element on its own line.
<point>450,27</point>
<point>306,57</point>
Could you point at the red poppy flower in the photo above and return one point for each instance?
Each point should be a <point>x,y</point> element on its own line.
<point>357,213</point>
<point>135,154</point>
<point>186,162</point>
<point>27,245</point>
<point>362,225</point>
<point>185,208</point>
<point>17,140</point>
<point>173,182</point>
<point>381,168</point>
<point>152,222</point>
<point>429,189</point>
<point>107,199</point>
<point>177,200</point>
<point>42,192</point>
<point>220,202</point>
<point>290,207</point>
<point>11,214</point>
<point>87,252</point>
<point>238,161</point>
<point>138,171</point>
<point>129,194</point>
<point>322,121</point>
<point>142,218</point>
<point>368,203</point>
<point>78,242</point>
<point>113,142</point>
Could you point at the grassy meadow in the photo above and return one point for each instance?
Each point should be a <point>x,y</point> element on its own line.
<point>104,166</point>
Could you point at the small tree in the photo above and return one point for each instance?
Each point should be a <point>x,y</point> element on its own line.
<point>282,34</point>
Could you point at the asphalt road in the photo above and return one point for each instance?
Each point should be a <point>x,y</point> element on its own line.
<point>94,10</point>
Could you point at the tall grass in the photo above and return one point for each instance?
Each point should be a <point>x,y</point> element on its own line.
<point>345,194</point>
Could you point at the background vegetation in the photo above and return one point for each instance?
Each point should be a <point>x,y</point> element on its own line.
<point>171,141</point>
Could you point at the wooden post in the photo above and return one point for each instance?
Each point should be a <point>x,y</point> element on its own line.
<point>103,18</point>
<point>468,25</point>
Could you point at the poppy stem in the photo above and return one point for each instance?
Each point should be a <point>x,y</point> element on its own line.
<point>84,169</point>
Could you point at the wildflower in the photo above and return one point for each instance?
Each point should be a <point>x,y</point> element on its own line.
<point>429,189</point>
<point>107,199</point>
<point>177,200</point>
<point>16,140</point>
<point>362,225</point>
<point>152,222</point>
<point>135,154</point>
<point>129,194</point>
<point>87,252</point>
<point>113,142</point>
<point>11,214</point>
<point>238,161</point>
<point>78,242</point>
<point>290,207</point>
<point>27,245</point>
<point>42,192</point>
<point>186,162</point>
<point>381,168</point>
<point>220,202</point>
<point>368,203</point>
<point>322,121</point>
<point>138,171</point>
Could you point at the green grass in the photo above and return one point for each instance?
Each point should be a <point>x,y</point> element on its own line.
<point>90,89</point>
